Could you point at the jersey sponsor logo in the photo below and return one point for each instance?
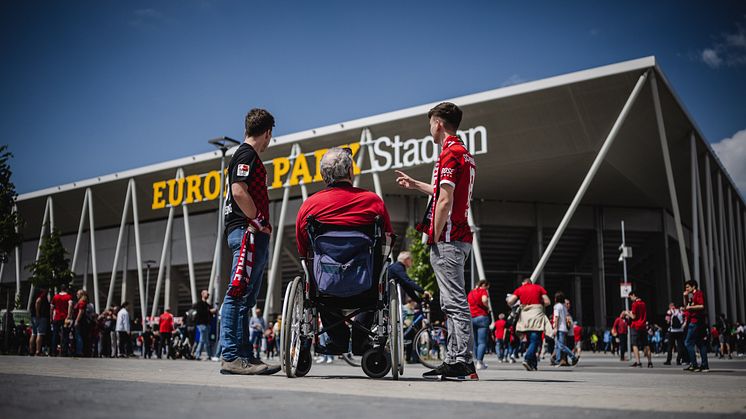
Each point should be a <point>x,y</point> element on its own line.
<point>243,170</point>
<point>469,159</point>
<point>447,171</point>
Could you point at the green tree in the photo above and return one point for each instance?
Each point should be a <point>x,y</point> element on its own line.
<point>9,220</point>
<point>421,270</point>
<point>53,268</point>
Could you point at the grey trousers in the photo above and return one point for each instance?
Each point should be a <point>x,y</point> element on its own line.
<point>448,261</point>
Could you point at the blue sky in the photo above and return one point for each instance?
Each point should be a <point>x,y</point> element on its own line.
<point>93,87</point>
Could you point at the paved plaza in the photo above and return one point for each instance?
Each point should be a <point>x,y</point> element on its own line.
<point>600,386</point>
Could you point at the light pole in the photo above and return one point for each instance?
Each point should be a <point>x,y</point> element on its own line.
<point>626,252</point>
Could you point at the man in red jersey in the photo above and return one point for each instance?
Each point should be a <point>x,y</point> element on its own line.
<point>166,328</point>
<point>619,330</point>
<point>345,205</point>
<point>449,236</point>
<point>532,320</point>
<point>638,329</point>
<point>696,330</point>
<point>62,308</point>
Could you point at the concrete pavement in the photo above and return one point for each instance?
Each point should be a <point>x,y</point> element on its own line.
<point>600,386</point>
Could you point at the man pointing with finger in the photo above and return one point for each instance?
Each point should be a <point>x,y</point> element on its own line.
<point>449,236</point>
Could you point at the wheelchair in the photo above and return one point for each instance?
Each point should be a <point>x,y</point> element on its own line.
<point>345,279</point>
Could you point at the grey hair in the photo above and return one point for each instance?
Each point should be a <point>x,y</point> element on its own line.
<point>404,256</point>
<point>336,165</point>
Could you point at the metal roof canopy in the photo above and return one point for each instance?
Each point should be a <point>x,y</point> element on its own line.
<point>542,138</point>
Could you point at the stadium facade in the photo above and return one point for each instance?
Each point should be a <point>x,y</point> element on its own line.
<point>612,144</point>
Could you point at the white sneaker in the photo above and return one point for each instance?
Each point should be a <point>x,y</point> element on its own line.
<point>480,365</point>
<point>329,360</point>
<point>320,360</point>
<point>215,359</point>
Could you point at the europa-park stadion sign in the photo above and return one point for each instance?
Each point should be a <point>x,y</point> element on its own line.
<point>388,154</point>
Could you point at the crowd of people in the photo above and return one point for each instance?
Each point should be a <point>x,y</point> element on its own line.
<point>684,332</point>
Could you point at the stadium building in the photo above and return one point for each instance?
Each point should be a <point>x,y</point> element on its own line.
<point>561,163</point>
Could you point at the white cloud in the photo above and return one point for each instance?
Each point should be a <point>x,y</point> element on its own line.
<point>728,49</point>
<point>711,58</point>
<point>514,79</point>
<point>732,153</point>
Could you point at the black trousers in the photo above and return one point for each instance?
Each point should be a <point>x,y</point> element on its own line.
<point>124,340</point>
<point>676,339</point>
<point>164,342</point>
<point>622,345</point>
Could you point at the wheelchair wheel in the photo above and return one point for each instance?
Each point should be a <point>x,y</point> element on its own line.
<point>376,363</point>
<point>395,331</point>
<point>292,333</point>
<point>282,328</point>
<point>429,345</point>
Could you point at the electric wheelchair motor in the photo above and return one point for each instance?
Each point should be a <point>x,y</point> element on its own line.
<point>345,280</point>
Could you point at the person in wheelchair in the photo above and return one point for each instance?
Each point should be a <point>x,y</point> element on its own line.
<point>343,205</point>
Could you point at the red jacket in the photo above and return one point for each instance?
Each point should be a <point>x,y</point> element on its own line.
<point>166,323</point>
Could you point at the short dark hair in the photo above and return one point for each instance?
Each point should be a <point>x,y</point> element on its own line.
<point>125,304</point>
<point>559,297</point>
<point>449,113</point>
<point>632,292</point>
<point>692,283</point>
<point>258,121</point>
<point>483,282</point>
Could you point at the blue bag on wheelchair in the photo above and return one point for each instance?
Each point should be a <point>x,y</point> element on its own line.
<point>343,263</point>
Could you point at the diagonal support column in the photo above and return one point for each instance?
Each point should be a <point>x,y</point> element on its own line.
<point>48,217</point>
<point>120,237</point>
<point>669,178</point>
<point>138,253</point>
<point>590,175</point>
<point>92,233</point>
<point>164,250</point>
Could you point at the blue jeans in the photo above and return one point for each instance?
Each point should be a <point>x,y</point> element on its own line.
<point>204,341</point>
<point>481,326</point>
<point>534,339</point>
<point>499,348</point>
<point>559,347</point>
<point>234,327</point>
<point>695,338</point>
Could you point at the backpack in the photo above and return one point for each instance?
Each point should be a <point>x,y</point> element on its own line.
<point>675,321</point>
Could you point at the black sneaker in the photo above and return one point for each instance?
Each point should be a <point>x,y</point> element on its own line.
<point>575,360</point>
<point>636,364</point>
<point>703,369</point>
<point>650,365</point>
<point>437,373</point>
<point>667,363</point>
<point>691,368</point>
<point>460,371</point>
<point>271,369</point>
<point>528,366</point>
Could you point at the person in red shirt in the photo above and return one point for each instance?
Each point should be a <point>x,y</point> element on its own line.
<point>62,308</point>
<point>449,235</point>
<point>619,331</point>
<point>696,332</point>
<point>166,328</point>
<point>638,329</point>
<point>577,332</point>
<point>479,306</point>
<point>345,205</point>
<point>82,328</point>
<point>534,300</point>
<point>500,347</point>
